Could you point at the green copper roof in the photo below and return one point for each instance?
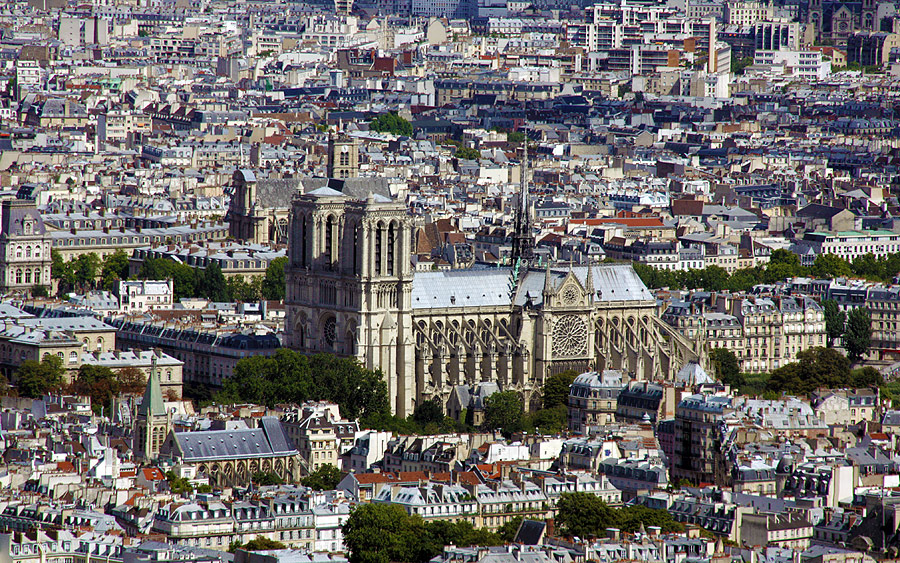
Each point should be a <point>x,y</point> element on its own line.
<point>153,403</point>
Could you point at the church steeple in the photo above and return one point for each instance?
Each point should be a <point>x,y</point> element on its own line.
<point>152,403</point>
<point>523,241</point>
<point>152,423</point>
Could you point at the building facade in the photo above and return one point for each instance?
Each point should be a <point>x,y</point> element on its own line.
<point>24,247</point>
<point>351,290</point>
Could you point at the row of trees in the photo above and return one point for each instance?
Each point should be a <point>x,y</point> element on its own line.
<point>385,533</point>
<point>585,515</point>
<point>855,329</point>
<point>211,283</point>
<point>782,264</point>
<point>815,368</point>
<point>88,272</point>
<point>100,383</point>
<point>292,377</point>
<point>503,411</point>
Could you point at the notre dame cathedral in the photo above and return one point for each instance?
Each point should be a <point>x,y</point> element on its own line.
<point>351,290</point>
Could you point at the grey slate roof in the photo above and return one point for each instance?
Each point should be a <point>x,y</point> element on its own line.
<point>266,441</point>
<point>274,193</point>
<point>490,287</point>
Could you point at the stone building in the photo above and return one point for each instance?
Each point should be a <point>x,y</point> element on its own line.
<point>836,20</point>
<point>24,247</point>
<point>231,457</point>
<point>351,290</point>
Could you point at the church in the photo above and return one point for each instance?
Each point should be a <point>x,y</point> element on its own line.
<point>352,291</point>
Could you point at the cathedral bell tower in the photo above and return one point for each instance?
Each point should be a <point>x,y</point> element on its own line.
<point>349,281</point>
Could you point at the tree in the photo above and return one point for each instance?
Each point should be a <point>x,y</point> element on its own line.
<point>61,271</point>
<point>830,266</point>
<point>428,412</point>
<point>325,478</point>
<point>178,485</point>
<point>274,283</point>
<point>859,333</point>
<point>266,478</point>
<point>97,382</point>
<point>292,377</point>
<point>114,268</point>
<point>183,277</point>
<point>556,389</point>
<point>815,368</point>
<point>503,411</point>
<point>467,153</point>
<point>738,65</point>
<point>87,268</point>
<point>214,285</point>
<point>241,290</point>
<point>34,379</point>
<point>509,530</point>
<point>40,291</point>
<point>383,533</point>
<point>726,365</point>
<point>583,515</point>
<point>835,319</point>
<point>262,543</point>
<point>391,123</point>
<point>131,380</point>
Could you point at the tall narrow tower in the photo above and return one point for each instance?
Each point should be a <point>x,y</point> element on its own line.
<point>349,284</point>
<point>523,240</point>
<point>343,157</point>
<point>152,424</point>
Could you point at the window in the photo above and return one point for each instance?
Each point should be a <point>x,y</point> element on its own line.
<point>19,276</point>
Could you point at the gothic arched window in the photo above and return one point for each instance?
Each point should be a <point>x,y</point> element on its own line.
<point>390,249</point>
<point>329,233</point>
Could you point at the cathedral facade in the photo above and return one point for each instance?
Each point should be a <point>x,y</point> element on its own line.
<point>352,291</point>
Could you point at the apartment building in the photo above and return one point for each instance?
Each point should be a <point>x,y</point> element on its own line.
<point>698,444</point>
<point>764,333</point>
<point>319,432</point>
<point>850,245</point>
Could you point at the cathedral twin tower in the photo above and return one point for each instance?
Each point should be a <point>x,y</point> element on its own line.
<point>349,282</point>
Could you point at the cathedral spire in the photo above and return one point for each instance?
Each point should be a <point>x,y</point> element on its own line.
<point>548,287</point>
<point>589,282</point>
<point>523,241</point>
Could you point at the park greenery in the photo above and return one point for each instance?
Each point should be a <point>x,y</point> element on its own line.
<point>585,515</point>
<point>88,272</point>
<point>291,377</point>
<point>385,533</point>
<point>815,368</point>
<point>391,122</point>
<point>782,264</point>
